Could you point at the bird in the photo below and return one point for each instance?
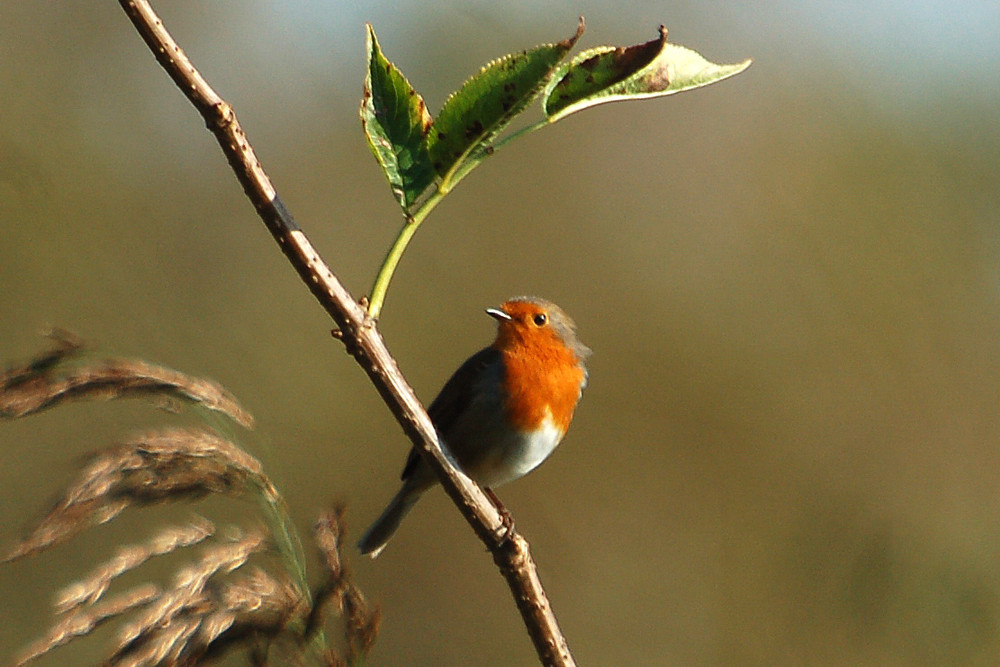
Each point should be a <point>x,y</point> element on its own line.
<point>503,411</point>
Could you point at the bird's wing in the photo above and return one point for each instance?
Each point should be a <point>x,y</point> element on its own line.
<point>454,398</point>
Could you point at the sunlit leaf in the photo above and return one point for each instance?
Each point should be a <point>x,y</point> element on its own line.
<point>610,74</point>
<point>487,102</point>
<point>396,121</point>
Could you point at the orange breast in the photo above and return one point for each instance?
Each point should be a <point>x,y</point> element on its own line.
<point>541,381</point>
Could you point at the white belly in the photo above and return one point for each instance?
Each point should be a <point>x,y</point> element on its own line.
<point>535,448</point>
<point>517,454</point>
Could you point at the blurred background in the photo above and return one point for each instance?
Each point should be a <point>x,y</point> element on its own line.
<point>788,452</point>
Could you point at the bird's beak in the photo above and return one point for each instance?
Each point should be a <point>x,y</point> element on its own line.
<point>498,314</point>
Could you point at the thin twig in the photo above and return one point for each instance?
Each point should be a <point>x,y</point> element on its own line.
<point>360,336</point>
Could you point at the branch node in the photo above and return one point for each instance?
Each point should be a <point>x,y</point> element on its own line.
<point>224,115</point>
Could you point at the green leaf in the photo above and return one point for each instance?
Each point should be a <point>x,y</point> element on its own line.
<point>609,74</point>
<point>487,102</point>
<point>396,122</point>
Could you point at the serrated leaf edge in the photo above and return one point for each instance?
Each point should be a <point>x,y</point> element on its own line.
<point>384,148</point>
<point>565,45</point>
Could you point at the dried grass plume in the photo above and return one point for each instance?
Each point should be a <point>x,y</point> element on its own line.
<point>246,588</point>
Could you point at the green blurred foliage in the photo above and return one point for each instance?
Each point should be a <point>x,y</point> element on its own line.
<point>788,450</point>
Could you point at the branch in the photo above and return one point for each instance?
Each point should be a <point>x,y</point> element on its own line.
<point>360,336</point>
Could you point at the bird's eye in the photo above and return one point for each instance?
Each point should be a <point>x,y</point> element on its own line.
<point>540,319</point>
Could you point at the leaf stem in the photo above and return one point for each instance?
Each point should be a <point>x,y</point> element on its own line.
<point>520,133</point>
<point>413,221</point>
<point>391,261</point>
<point>475,157</point>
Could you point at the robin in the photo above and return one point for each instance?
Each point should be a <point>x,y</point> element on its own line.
<point>503,411</point>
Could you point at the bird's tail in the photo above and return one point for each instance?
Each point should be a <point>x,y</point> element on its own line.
<point>376,537</point>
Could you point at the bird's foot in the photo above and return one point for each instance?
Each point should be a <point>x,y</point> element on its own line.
<point>506,520</point>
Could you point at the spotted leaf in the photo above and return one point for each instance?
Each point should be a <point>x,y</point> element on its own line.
<point>486,103</point>
<point>396,122</point>
<point>609,74</point>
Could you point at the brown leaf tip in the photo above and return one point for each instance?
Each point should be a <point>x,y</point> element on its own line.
<point>568,43</point>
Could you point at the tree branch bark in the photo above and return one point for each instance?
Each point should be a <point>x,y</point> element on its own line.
<point>361,337</point>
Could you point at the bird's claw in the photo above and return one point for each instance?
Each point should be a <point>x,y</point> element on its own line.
<point>506,528</point>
